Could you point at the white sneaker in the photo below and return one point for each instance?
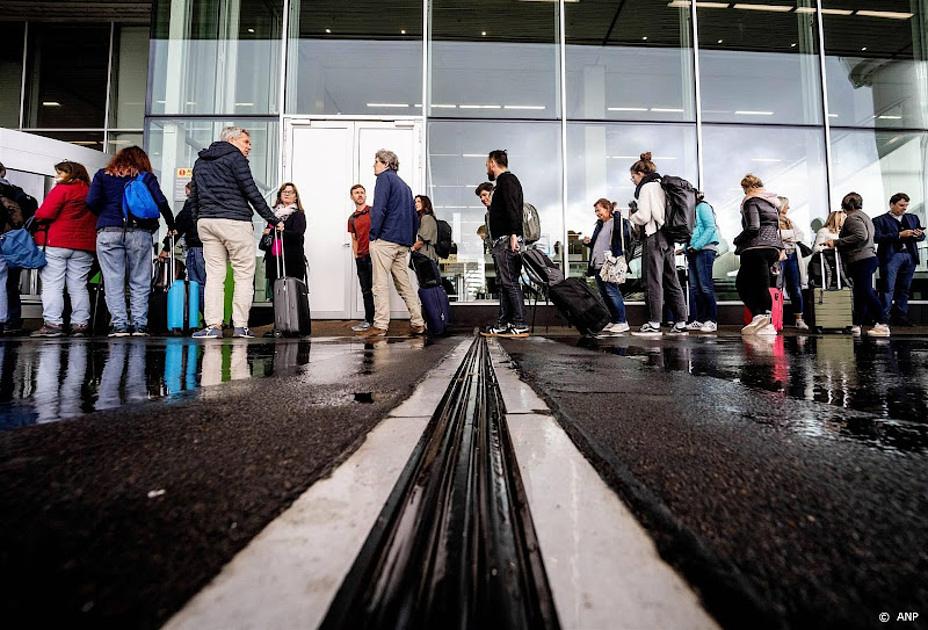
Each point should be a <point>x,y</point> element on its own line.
<point>758,322</point>
<point>767,330</point>
<point>619,328</point>
<point>709,327</point>
<point>801,324</point>
<point>361,326</point>
<point>648,330</point>
<point>880,330</point>
<point>855,330</point>
<point>694,326</point>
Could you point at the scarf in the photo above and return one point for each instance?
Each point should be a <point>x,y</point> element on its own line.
<point>766,195</point>
<point>283,212</point>
<point>650,177</point>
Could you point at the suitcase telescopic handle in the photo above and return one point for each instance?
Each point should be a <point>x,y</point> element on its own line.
<point>281,260</point>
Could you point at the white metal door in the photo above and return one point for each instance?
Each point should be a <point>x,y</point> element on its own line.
<point>325,158</point>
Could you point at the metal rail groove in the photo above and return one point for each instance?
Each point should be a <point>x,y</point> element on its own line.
<point>454,546</point>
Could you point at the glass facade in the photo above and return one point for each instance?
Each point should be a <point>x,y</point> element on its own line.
<point>817,97</point>
<point>84,83</point>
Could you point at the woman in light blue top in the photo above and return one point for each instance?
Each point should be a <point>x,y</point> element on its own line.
<point>700,254</point>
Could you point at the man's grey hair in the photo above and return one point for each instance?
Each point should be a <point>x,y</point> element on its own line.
<point>388,159</point>
<point>233,133</point>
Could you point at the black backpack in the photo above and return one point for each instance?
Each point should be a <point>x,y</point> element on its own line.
<point>680,214</point>
<point>444,244</point>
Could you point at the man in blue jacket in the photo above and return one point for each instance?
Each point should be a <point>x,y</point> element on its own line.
<point>896,234</point>
<point>394,225</point>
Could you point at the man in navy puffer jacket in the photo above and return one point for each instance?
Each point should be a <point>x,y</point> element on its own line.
<point>223,193</point>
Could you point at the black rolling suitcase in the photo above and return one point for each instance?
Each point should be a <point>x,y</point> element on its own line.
<point>158,299</point>
<point>291,302</point>
<point>579,305</point>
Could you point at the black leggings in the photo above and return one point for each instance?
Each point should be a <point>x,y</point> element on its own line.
<point>753,282</point>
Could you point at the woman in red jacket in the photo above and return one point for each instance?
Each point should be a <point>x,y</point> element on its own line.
<point>68,230</point>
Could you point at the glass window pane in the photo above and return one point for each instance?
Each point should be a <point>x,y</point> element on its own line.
<point>457,164</point>
<point>130,75</point>
<point>366,60</point>
<point>89,139</point>
<point>790,161</point>
<point>174,144</point>
<point>759,62</point>
<point>216,56</point>
<point>877,63</point>
<point>494,59</point>
<point>117,141</point>
<point>11,74</point>
<point>67,75</point>
<point>598,160</point>
<point>629,60</point>
<point>879,164</point>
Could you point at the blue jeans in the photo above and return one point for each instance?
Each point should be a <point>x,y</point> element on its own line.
<point>703,307</point>
<point>612,296</point>
<point>66,269</point>
<point>867,305</point>
<point>126,255</point>
<point>793,281</point>
<point>196,270</point>
<point>897,278</point>
<point>508,272</point>
<point>4,304</point>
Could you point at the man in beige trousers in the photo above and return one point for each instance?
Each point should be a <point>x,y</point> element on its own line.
<point>222,194</point>
<point>394,224</point>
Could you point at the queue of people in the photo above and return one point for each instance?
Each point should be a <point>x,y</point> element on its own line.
<point>85,222</point>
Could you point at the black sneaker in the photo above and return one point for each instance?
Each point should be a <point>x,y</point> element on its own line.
<point>516,332</point>
<point>496,330</point>
<point>140,331</point>
<point>120,331</point>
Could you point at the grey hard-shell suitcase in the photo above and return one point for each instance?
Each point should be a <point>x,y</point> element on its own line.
<point>833,308</point>
<point>291,302</point>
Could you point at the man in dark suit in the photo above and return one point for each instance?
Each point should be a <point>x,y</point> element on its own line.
<point>897,235</point>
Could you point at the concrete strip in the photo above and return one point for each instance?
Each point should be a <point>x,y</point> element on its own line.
<point>288,575</point>
<point>604,570</point>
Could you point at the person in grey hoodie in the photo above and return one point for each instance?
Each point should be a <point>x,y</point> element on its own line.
<point>855,242</point>
<point>759,246</point>
<point>222,195</point>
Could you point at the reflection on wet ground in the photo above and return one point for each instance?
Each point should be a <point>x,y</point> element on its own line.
<point>45,381</point>
<point>886,377</point>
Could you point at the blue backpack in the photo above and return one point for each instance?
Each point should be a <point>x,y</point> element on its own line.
<point>138,201</point>
<point>19,249</point>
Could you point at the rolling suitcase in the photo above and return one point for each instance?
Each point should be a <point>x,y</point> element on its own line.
<point>579,305</point>
<point>833,308</point>
<point>158,300</point>
<point>435,309</point>
<point>776,309</point>
<point>291,301</point>
<point>183,300</point>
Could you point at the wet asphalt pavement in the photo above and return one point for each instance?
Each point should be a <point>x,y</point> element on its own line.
<point>116,518</point>
<point>786,479</point>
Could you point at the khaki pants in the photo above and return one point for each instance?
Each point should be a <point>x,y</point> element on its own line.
<point>391,259</point>
<point>228,241</point>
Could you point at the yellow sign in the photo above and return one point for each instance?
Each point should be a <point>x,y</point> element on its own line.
<point>185,172</point>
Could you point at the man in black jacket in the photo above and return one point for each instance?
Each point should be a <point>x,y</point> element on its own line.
<point>222,195</point>
<point>505,217</point>
<point>27,206</point>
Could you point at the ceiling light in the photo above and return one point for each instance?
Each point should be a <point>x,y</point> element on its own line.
<point>402,31</point>
<point>772,8</point>
<point>751,112</point>
<point>644,39</point>
<point>832,115</point>
<point>534,107</point>
<point>627,109</point>
<point>85,142</point>
<point>389,105</point>
<point>836,12</point>
<point>667,110</point>
<point>328,31</point>
<point>244,104</point>
<point>480,106</point>
<point>892,140</point>
<point>51,104</point>
<point>864,49</point>
<point>474,155</point>
<point>483,33</point>
<point>889,117</point>
<point>443,106</point>
<point>764,159</point>
<point>251,30</point>
<point>793,45</point>
<point>685,4</point>
<point>892,15</point>
<point>720,41</point>
<point>623,157</point>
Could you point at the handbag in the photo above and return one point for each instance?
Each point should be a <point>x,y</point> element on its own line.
<point>615,268</point>
<point>19,249</point>
<point>266,242</point>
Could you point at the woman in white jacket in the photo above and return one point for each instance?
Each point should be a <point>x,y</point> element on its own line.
<point>658,267</point>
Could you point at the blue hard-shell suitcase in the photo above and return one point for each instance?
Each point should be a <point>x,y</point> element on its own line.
<point>435,309</point>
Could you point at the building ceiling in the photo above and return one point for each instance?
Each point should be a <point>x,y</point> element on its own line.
<point>126,12</point>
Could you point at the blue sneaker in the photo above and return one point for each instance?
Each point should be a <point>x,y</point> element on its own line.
<point>242,333</point>
<point>210,332</point>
